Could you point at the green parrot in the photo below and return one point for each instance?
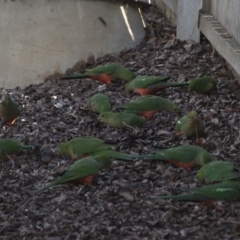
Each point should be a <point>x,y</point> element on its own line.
<point>147,106</point>
<point>226,191</point>
<point>9,147</point>
<point>148,85</point>
<point>218,171</point>
<point>105,73</point>
<point>202,85</point>
<point>187,156</point>
<point>190,125</point>
<point>100,103</point>
<point>80,146</point>
<point>82,171</point>
<point>9,110</point>
<point>125,156</point>
<point>122,119</point>
<point>87,145</point>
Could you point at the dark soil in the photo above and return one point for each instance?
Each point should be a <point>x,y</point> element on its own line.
<point>117,205</point>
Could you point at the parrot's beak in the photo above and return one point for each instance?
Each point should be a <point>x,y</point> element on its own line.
<point>99,119</point>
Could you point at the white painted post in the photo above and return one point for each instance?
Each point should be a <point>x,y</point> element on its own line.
<point>187,20</point>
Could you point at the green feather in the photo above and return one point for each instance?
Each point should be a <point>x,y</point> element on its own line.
<point>228,191</point>
<point>117,71</point>
<point>122,119</point>
<point>9,109</point>
<point>9,147</point>
<point>124,156</point>
<point>202,85</point>
<point>100,103</point>
<point>151,82</point>
<point>149,103</point>
<point>81,168</point>
<point>184,154</point>
<point>79,146</point>
<point>190,125</point>
<point>218,171</point>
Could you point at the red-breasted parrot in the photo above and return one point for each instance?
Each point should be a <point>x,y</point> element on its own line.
<point>122,119</point>
<point>9,110</point>
<point>202,85</point>
<point>10,147</point>
<point>190,125</point>
<point>225,191</point>
<point>187,156</point>
<point>218,171</point>
<point>87,145</point>
<point>148,85</point>
<point>82,171</point>
<point>100,103</point>
<point>106,73</point>
<point>147,106</point>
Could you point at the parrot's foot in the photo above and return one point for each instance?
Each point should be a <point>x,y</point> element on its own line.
<point>9,122</point>
<point>178,134</point>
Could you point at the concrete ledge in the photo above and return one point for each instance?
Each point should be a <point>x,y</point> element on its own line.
<point>51,36</point>
<point>221,40</point>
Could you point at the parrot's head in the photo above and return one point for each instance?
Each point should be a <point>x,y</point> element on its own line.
<point>201,172</point>
<point>126,74</point>
<point>174,108</point>
<point>203,158</point>
<point>105,107</point>
<point>104,116</point>
<point>192,114</point>
<point>6,98</point>
<point>63,148</point>
<point>192,86</point>
<point>104,157</point>
<point>129,86</point>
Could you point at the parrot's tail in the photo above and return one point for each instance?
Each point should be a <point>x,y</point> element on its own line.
<point>183,197</point>
<point>131,157</point>
<point>47,186</point>
<point>77,76</point>
<point>28,147</point>
<point>153,157</point>
<point>124,156</point>
<point>178,84</point>
<point>124,110</point>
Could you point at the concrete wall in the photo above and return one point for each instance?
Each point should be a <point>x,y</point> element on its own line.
<point>39,38</point>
